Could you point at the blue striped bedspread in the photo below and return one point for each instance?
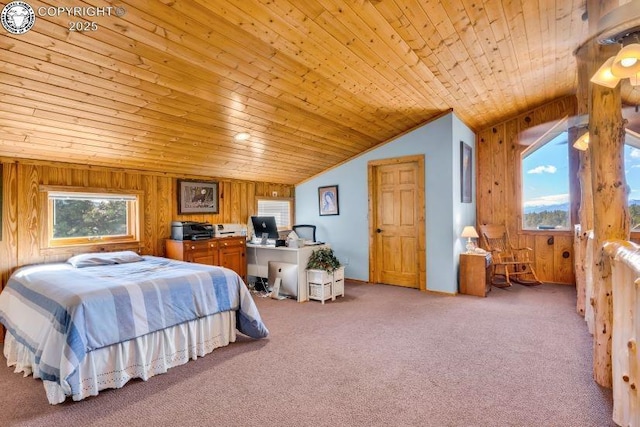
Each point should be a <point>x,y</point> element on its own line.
<point>61,313</point>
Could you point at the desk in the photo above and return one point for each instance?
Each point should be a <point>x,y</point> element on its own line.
<point>258,257</point>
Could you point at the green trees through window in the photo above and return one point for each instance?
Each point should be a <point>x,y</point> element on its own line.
<point>90,217</point>
<point>78,216</point>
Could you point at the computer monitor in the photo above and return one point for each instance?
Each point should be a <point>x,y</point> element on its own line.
<point>288,275</point>
<point>265,224</point>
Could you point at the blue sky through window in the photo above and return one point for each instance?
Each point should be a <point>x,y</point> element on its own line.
<point>546,174</point>
<point>632,172</point>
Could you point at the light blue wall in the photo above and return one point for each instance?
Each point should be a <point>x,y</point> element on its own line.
<point>348,232</point>
<point>463,213</point>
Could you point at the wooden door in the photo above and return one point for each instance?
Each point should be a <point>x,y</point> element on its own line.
<point>397,222</point>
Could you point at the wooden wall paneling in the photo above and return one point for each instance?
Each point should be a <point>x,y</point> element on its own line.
<point>243,203</point>
<point>251,199</point>
<point>8,243</point>
<point>524,121</point>
<point>224,211</point>
<point>555,110</point>
<point>483,181</point>
<point>499,169</point>
<point>235,202</point>
<point>498,174</point>
<point>5,230</point>
<point>513,183</point>
<point>22,222</point>
<point>80,177</point>
<point>544,258</point>
<point>238,201</point>
<point>56,176</point>
<point>230,210</point>
<point>289,190</point>
<point>259,189</point>
<point>164,196</point>
<point>225,201</point>
<point>118,180</point>
<point>563,267</point>
<point>148,209</point>
<point>100,179</point>
<point>134,181</point>
<point>28,213</point>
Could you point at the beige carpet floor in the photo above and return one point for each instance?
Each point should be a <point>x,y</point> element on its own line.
<point>380,356</point>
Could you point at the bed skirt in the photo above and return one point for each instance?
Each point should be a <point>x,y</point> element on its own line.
<point>143,357</point>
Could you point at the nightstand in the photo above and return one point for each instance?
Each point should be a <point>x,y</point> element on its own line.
<point>475,274</point>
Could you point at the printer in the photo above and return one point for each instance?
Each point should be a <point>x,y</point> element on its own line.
<point>191,230</point>
<point>226,230</point>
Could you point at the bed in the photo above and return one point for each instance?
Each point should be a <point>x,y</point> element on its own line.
<point>99,320</point>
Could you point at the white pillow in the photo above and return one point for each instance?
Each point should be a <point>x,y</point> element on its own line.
<point>103,258</point>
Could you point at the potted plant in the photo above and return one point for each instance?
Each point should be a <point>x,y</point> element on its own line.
<point>325,275</point>
<point>323,259</point>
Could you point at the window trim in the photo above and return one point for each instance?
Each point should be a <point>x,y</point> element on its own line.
<point>135,217</point>
<point>634,142</point>
<point>550,134</point>
<point>280,199</point>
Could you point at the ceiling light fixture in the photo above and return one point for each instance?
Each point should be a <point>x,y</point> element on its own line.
<point>604,76</point>
<point>624,65</point>
<point>242,136</point>
<point>582,143</point>
<point>620,26</point>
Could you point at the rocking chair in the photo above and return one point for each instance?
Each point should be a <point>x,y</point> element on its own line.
<point>509,263</point>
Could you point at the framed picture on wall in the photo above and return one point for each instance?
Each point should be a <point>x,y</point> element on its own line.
<point>197,197</point>
<point>328,200</point>
<point>466,162</point>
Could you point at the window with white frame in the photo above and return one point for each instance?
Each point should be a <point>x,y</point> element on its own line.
<point>632,176</point>
<point>88,217</point>
<point>545,184</point>
<point>279,208</point>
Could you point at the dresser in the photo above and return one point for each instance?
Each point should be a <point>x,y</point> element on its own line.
<point>229,252</point>
<point>475,274</point>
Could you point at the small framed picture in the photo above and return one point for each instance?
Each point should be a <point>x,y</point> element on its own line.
<point>328,200</point>
<point>197,197</point>
<point>466,162</point>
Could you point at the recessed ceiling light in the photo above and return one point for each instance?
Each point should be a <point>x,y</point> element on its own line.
<point>242,136</point>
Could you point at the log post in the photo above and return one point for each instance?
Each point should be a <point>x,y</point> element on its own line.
<point>610,210</point>
<point>610,213</point>
<point>585,211</point>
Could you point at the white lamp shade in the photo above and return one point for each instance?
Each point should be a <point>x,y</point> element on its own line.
<point>604,76</point>
<point>627,61</point>
<point>469,232</point>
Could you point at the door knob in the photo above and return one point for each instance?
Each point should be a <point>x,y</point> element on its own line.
<point>378,230</point>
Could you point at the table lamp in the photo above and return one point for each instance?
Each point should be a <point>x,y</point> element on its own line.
<point>470,233</point>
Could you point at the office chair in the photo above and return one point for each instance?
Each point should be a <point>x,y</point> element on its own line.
<point>305,231</point>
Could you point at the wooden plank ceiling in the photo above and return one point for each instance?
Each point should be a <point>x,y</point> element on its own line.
<point>167,85</point>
